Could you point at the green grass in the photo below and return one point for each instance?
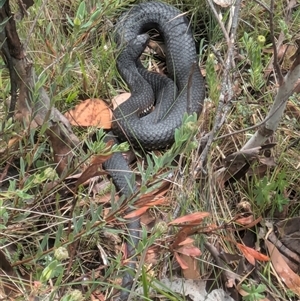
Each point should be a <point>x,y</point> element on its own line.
<point>38,226</point>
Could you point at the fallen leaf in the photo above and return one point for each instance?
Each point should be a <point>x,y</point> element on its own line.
<point>291,279</point>
<point>189,250</point>
<point>268,161</point>
<point>252,254</point>
<point>181,236</point>
<point>187,241</point>
<point>196,217</point>
<point>146,199</point>
<point>62,148</point>
<point>248,222</point>
<point>245,220</point>
<point>119,99</point>
<point>153,255</point>
<point>137,212</point>
<point>192,272</point>
<point>181,261</point>
<point>288,232</point>
<point>147,219</point>
<point>142,210</point>
<point>241,157</point>
<point>90,112</point>
<point>93,170</point>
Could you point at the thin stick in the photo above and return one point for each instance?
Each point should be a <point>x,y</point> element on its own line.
<point>226,91</point>
<point>275,52</point>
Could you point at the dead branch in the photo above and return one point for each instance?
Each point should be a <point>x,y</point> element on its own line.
<point>285,90</point>
<point>32,106</point>
<point>226,90</point>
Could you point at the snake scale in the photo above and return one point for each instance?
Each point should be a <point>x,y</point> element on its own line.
<point>182,91</point>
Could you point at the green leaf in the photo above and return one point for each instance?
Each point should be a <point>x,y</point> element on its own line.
<point>49,271</point>
<point>81,11</point>
<point>95,15</point>
<point>86,25</point>
<point>69,20</point>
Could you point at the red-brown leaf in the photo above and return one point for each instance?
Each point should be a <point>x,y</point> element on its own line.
<point>187,241</point>
<point>196,217</point>
<point>181,262</point>
<point>137,212</point>
<point>189,251</point>
<point>252,254</point>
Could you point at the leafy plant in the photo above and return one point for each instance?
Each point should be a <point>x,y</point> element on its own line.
<point>255,293</point>
<point>270,192</point>
<point>253,53</point>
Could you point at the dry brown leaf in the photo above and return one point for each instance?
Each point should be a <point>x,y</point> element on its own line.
<point>268,161</point>
<point>192,272</point>
<point>90,112</point>
<point>252,254</point>
<point>187,241</point>
<point>12,143</point>
<point>97,296</point>
<point>189,250</point>
<point>93,170</point>
<point>147,218</point>
<point>248,223</point>
<point>291,279</point>
<point>62,149</point>
<point>119,99</point>
<point>137,212</point>
<point>241,157</point>
<point>147,198</point>
<point>153,255</point>
<point>194,218</point>
<point>142,210</point>
<point>245,220</point>
<point>181,261</point>
<point>288,232</point>
<point>181,236</point>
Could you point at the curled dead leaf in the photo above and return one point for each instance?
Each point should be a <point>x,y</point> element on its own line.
<point>251,254</point>
<point>91,112</point>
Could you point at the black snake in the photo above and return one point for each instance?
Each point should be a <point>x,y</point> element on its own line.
<point>182,91</point>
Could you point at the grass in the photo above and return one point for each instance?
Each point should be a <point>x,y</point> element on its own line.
<point>39,231</point>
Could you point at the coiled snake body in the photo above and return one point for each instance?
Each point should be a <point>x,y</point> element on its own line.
<point>183,91</point>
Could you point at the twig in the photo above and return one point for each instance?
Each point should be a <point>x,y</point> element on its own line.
<point>228,276</point>
<point>41,8</point>
<point>275,54</point>
<point>212,7</point>
<point>274,116</point>
<point>263,5</point>
<point>11,49</point>
<point>226,91</point>
<point>281,36</point>
<point>253,127</point>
